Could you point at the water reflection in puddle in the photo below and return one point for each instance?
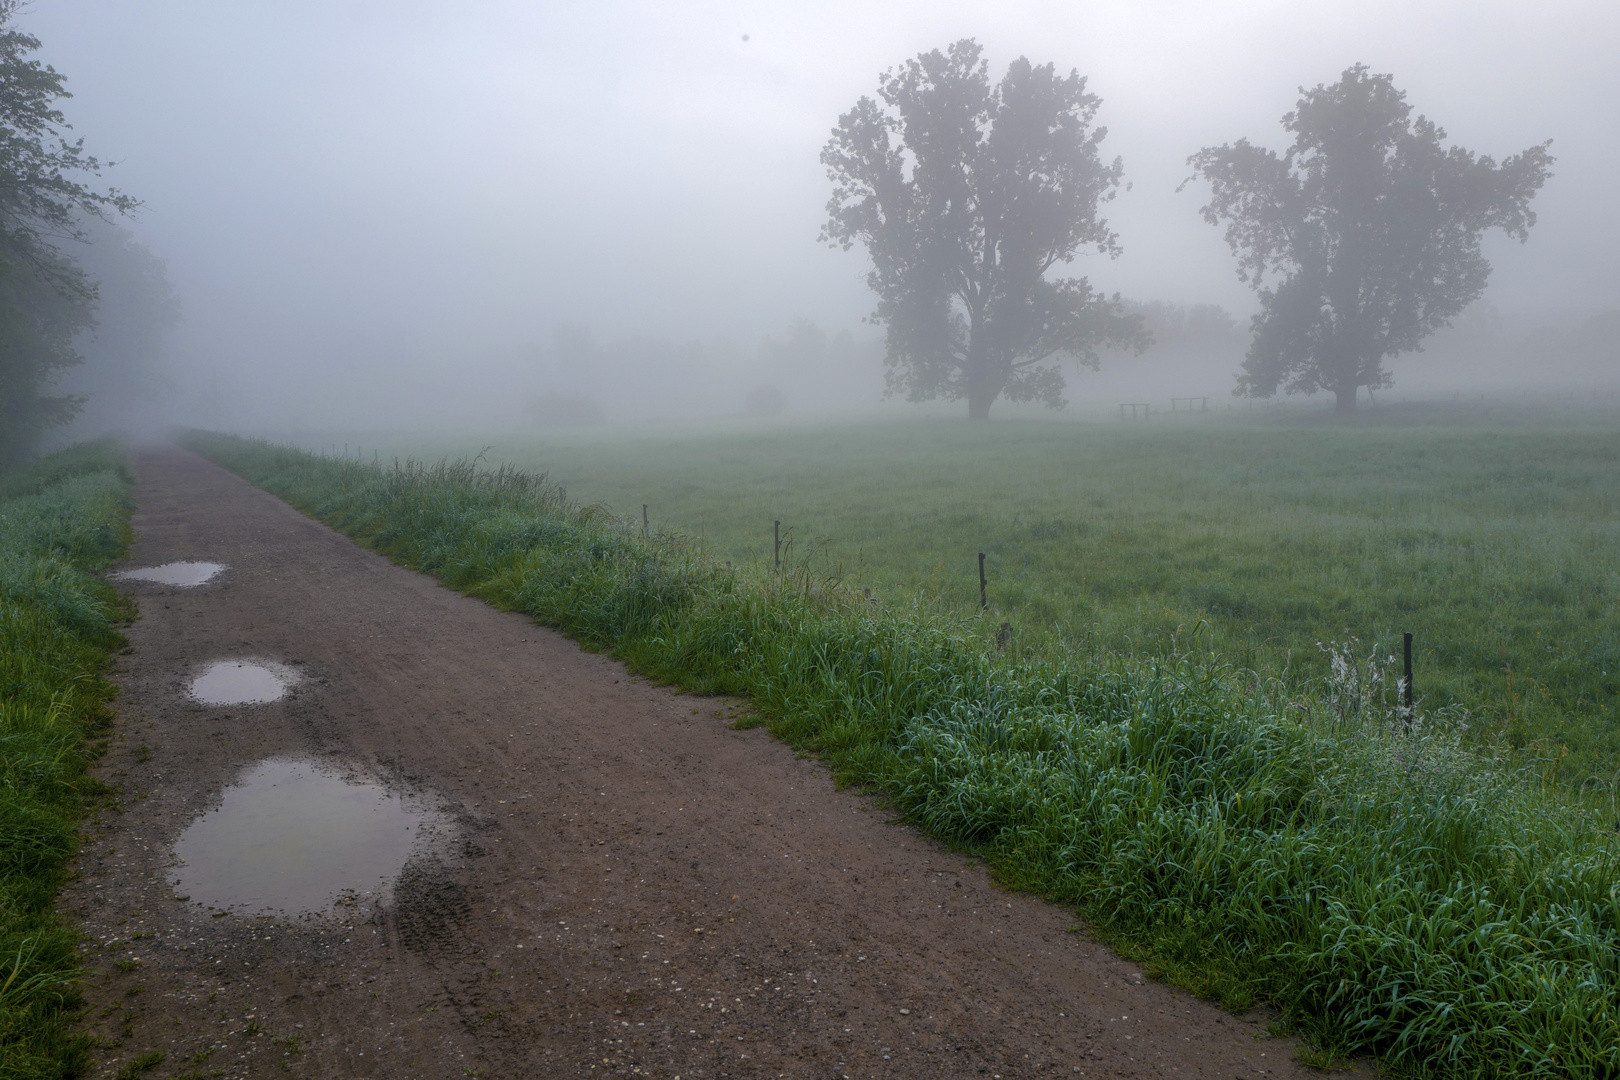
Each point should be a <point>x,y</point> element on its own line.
<point>292,838</point>
<point>184,574</point>
<point>242,682</point>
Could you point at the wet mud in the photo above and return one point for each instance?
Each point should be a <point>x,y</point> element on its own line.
<point>627,885</point>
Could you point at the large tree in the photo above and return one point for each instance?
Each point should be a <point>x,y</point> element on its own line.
<point>124,376</point>
<point>966,193</point>
<point>1363,237</point>
<point>38,321</point>
<point>44,297</point>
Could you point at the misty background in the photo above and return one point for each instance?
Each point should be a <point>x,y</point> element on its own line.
<point>373,214</point>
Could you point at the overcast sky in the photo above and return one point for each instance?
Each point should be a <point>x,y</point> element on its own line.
<point>338,178</point>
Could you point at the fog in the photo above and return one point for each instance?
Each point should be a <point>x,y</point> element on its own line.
<point>386,212</point>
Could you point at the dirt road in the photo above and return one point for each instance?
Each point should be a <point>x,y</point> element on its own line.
<point>633,888</point>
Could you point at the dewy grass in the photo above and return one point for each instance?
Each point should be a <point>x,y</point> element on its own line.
<point>1393,890</point>
<point>1490,533</point>
<point>60,519</point>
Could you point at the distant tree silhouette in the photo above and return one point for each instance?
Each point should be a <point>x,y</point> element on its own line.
<point>965,194</point>
<point>568,367</point>
<point>1189,328</point>
<point>123,373</point>
<point>1371,227</point>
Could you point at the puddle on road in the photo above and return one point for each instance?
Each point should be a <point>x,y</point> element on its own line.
<point>183,574</point>
<point>292,838</point>
<point>242,682</point>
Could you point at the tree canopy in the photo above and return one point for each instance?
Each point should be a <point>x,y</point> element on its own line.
<point>124,376</point>
<point>44,297</point>
<point>966,194</point>
<point>1370,227</point>
<point>38,321</point>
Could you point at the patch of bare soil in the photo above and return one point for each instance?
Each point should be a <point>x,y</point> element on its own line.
<point>633,887</point>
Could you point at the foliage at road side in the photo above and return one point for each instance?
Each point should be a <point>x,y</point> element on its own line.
<point>60,520</point>
<point>1489,532</point>
<point>1392,891</point>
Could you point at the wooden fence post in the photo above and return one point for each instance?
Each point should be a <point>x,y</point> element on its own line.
<point>1406,681</point>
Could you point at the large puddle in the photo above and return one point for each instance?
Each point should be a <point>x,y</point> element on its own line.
<point>292,838</point>
<point>242,682</point>
<point>183,574</point>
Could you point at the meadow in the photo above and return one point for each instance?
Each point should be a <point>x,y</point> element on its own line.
<point>1491,533</point>
<point>62,518</point>
<point>1394,890</point>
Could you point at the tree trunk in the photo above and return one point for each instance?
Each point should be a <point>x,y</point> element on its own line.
<point>984,379</point>
<point>1344,401</point>
<point>982,390</point>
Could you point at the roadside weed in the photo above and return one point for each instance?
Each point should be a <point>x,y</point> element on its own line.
<point>61,519</point>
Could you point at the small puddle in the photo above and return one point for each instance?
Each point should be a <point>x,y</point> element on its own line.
<point>292,838</point>
<point>183,574</point>
<point>242,682</point>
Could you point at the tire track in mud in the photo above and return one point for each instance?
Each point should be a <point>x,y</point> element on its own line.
<point>634,888</point>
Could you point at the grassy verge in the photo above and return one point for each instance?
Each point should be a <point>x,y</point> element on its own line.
<point>60,519</point>
<point>1491,533</point>
<point>1394,892</point>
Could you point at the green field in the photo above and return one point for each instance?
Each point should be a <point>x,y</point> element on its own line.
<point>1491,534</point>
<point>1392,891</point>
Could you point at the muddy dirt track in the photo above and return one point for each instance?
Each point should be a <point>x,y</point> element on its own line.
<point>629,886</point>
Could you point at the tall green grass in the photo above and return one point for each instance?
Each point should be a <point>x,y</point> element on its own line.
<point>61,519</point>
<point>1394,891</point>
<point>1490,532</point>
